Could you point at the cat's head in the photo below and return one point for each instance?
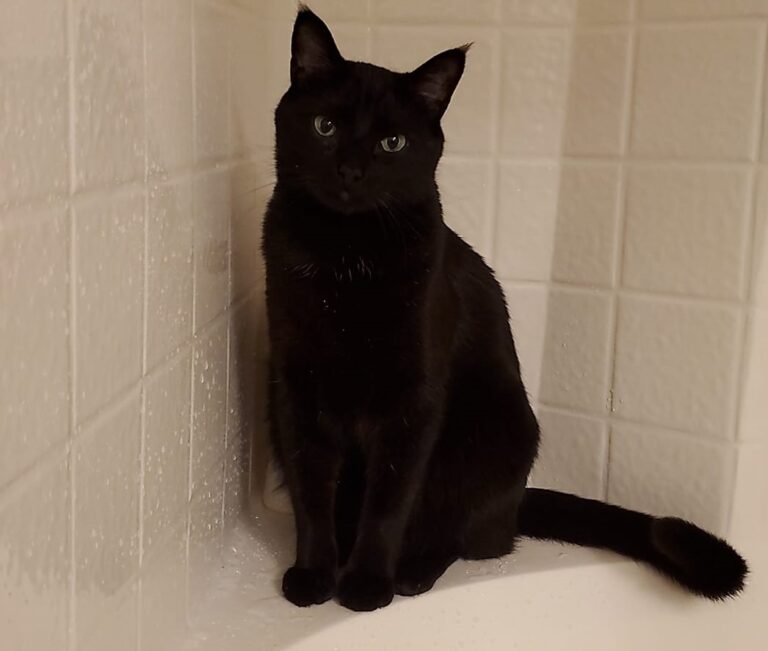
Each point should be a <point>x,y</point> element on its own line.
<point>356,136</point>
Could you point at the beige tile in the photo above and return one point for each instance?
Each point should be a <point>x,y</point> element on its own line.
<point>539,11</point>
<point>759,274</point>
<point>661,9</point>
<point>328,10</point>
<point>577,348</point>
<point>33,99</point>
<point>109,287</point>
<point>534,87</point>
<point>596,100</point>
<point>526,220</point>
<point>109,92</point>
<point>585,238</point>
<point>753,416</point>
<point>169,268</point>
<point>34,341</point>
<point>695,91</point>
<point>166,448</point>
<point>118,630</point>
<point>670,474</point>
<point>212,209</point>
<point>212,89</point>
<point>686,230</point>
<point>527,306</point>
<point>205,532</point>
<point>35,561</point>
<point>106,512</point>
<point>466,192</point>
<point>436,11</point>
<point>604,11</point>
<point>468,123</point>
<point>573,454</point>
<point>749,517</point>
<point>168,33</point>
<point>675,364</point>
<point>210,401</point>
<point>163,592</point>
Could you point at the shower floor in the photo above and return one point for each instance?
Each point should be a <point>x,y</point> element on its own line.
<point>545,596</point>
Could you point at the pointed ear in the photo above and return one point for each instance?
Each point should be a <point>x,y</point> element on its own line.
<point>313,50</point>
<point>434,81</point>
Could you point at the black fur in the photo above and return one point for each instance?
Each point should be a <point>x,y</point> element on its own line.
<point>397,409</point>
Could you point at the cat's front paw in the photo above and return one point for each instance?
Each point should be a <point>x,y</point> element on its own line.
<point>362,591</point>
<point>306,586</point>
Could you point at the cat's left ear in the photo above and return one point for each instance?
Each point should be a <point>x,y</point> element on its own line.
<point>434,81</point>
<point>313,50</point>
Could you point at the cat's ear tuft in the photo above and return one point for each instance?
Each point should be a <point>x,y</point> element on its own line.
<point>434,81</point>
<point>313,50</point>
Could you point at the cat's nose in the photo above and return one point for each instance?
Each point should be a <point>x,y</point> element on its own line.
<point>350,174</point>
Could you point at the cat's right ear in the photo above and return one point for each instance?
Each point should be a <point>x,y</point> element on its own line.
<point>313,50</point>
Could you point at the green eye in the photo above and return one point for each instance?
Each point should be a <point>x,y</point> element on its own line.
<point>324,126</point>
<point>392,144</point>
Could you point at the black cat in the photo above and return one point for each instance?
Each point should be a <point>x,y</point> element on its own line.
<point>397,410</point>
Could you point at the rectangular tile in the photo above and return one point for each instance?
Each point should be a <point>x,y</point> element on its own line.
<point>436,11</point>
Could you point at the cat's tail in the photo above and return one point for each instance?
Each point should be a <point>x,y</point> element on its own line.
<point>692,557</point>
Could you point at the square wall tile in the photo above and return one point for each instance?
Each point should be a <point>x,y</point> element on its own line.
<point>661,9</point>
<point>577,350</point>
<point>169,268</point>
<point>209,423</point>
<point>759,271</point>
<point>118,630</point>
<point>749,515</point>
<point>695,91</point>
<point>164,592</point>
<point>211,82</point>
<point>34,341</point>
<point>670,474</point>
<point>35,561</point>
<point>34,111</point>
<point>110,279</point>
<point>168,32</point>
<point>212,210</point>
<point>753,416</point>
<point>252,185</point>
<point>106,512</point>
<point>686,230</point>
<point>166,448</point>
<point>534,90</point>
<point>466,192</point>
<point>604,11</point>
<point>469,121</point>
<point>436,11</point>
<point>527,305</point>
<point>573,454</point>
<point>676,364</point>
<point>526,220</point>
<point>109,92</point>
<point>328,10</point>
<point>205,532</point>
<point>597,93</point>
<point>585,238</point>
<point>539,11</point>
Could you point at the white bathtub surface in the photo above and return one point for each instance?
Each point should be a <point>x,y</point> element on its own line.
<point>545,596</point>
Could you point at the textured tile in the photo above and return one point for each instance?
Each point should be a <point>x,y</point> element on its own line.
<point>166,448</point>
<point>534,88</point>
<point>468,123</point>
<point>675,364</point>
<point>670,474</point>
<point>106,512</point>
<point>34,114</point>
<point>436,11</point>
<point>597,90</point>
<point>527,306</point>
<point>695,91</point>
<point>169,268</point>
<point>109,277</point>
<point>164,593</point>
<point>526,220</point>
<point>585,238</point>
<point>604,11</point>
<point>212,209</point>
<point>576,350</point>
<point>35,561</point>
<point>212,92</point>
<point>109,92</point>
<point>573,454</point>
<point>753,417</point>
<point>168,29</point>
<point>34,348</point>
<point>661,9</point>
<point>466,193</point>
<point>210,401</point>
<point>539,11</point>
<point>118,630</point>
